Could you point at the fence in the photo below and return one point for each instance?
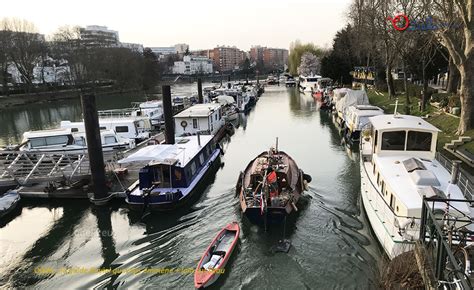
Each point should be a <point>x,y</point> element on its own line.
<point>444,237</point>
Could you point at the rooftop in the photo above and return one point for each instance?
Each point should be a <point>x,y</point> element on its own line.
<point>198,110</point>
<point>404,185</point>
<point>179,153</point>
<point>390,122</point>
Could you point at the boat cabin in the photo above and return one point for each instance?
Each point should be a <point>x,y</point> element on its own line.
<point>66,140</point>
<point>173,165</point>
<point>403,135</point>
<point>203,118</point>
<point>358,116</point>
<point>137,128</point>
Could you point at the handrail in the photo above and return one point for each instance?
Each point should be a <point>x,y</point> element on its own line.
<point>433,237</point>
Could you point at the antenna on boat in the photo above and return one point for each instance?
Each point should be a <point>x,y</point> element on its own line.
<point>396,107</point>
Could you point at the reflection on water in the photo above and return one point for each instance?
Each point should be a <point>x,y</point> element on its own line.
<point>17,120</point>
<point>332,246</point>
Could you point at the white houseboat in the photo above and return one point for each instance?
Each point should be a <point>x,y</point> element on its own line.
<point>150,109</point>
<point>137,128</point>
<point>357,117</point>
<point>307,83</point>
<point>67,141</point>
<point>398,168</point>
<point>203,118</point>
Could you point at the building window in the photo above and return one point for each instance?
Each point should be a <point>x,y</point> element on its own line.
<point>195,123</point>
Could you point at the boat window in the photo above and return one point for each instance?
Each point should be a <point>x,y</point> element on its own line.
<point>37,142</point>
<point>383,187</point>
<point>121,129</point>
<point>374,169</point>
<point>102,128</point>
<point>378,178</point>
<point>393,200</point>
<point>193,168</point>
<point>110,140</point>
<point>393,140</point>
<point>216,117</point>
<point>57,140</point>
<point>419,141</point>
<point>195,123</point>
<point>74,130</point>
<point>80,141</point>
<point>201,159</point>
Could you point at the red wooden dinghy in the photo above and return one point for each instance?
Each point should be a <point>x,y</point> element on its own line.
<point>216,256</point>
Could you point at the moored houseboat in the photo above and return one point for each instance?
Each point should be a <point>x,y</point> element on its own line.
<point>398,168</point>
<point>173,172</point>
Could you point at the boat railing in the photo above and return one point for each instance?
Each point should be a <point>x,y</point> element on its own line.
<point>446,240</point>
<point>465,180</point>
<point>116,113</point>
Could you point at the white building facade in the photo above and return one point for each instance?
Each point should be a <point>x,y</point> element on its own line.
<point>192,65</point>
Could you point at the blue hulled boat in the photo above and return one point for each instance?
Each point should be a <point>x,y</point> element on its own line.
<point>173,172</point>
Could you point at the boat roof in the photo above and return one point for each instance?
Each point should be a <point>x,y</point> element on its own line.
<point>404,183</point>
<point>178,154</point>
<point>47,133</point>
<point>224,99</point>
<point>199,110</point>
<point>390,122</point>
<point>366,110</point>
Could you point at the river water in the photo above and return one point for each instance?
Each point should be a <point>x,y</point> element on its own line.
<point>332,244</point>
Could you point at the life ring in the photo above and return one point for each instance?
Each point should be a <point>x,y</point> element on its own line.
<point>184,124</point>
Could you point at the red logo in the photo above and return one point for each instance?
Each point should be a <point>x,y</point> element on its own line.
<point>400,22</point>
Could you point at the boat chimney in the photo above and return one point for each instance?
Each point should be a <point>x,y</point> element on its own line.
<point>168,114</point>
<point>199,138</point>
<point>200,91</point>
<point>455,171</point>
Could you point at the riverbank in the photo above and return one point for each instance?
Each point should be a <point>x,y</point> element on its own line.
<point>51,96</point>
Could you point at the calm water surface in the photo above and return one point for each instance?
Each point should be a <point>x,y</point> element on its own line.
<point>332,246</point>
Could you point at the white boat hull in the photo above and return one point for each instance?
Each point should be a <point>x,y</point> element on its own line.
<point>381,218</point>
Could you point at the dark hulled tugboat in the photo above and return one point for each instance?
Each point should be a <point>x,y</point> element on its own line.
<point>270,187</point>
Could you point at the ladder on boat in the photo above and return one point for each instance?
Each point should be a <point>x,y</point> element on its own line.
<point>22,168</point>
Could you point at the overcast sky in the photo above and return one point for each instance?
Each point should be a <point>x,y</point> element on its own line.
<point>199,23</point>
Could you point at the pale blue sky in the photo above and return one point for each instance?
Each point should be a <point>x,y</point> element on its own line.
<point>200,23</point>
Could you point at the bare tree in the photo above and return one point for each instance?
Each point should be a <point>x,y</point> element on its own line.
<point>27,47</point>
<point>5,46</point>
<point>456,30</point>
<point>67,45</point>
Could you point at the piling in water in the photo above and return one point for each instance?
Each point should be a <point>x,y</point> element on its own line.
<point>94,146</point>
<point>200,91</point>
<point>168,114</point>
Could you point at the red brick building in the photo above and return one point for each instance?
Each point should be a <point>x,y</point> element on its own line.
<point>227,58</point>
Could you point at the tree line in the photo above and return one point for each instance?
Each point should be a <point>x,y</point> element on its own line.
<point>24,49</point>
<point>423,37</point>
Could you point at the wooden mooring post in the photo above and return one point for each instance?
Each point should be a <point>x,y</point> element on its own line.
<point>94,149</point>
